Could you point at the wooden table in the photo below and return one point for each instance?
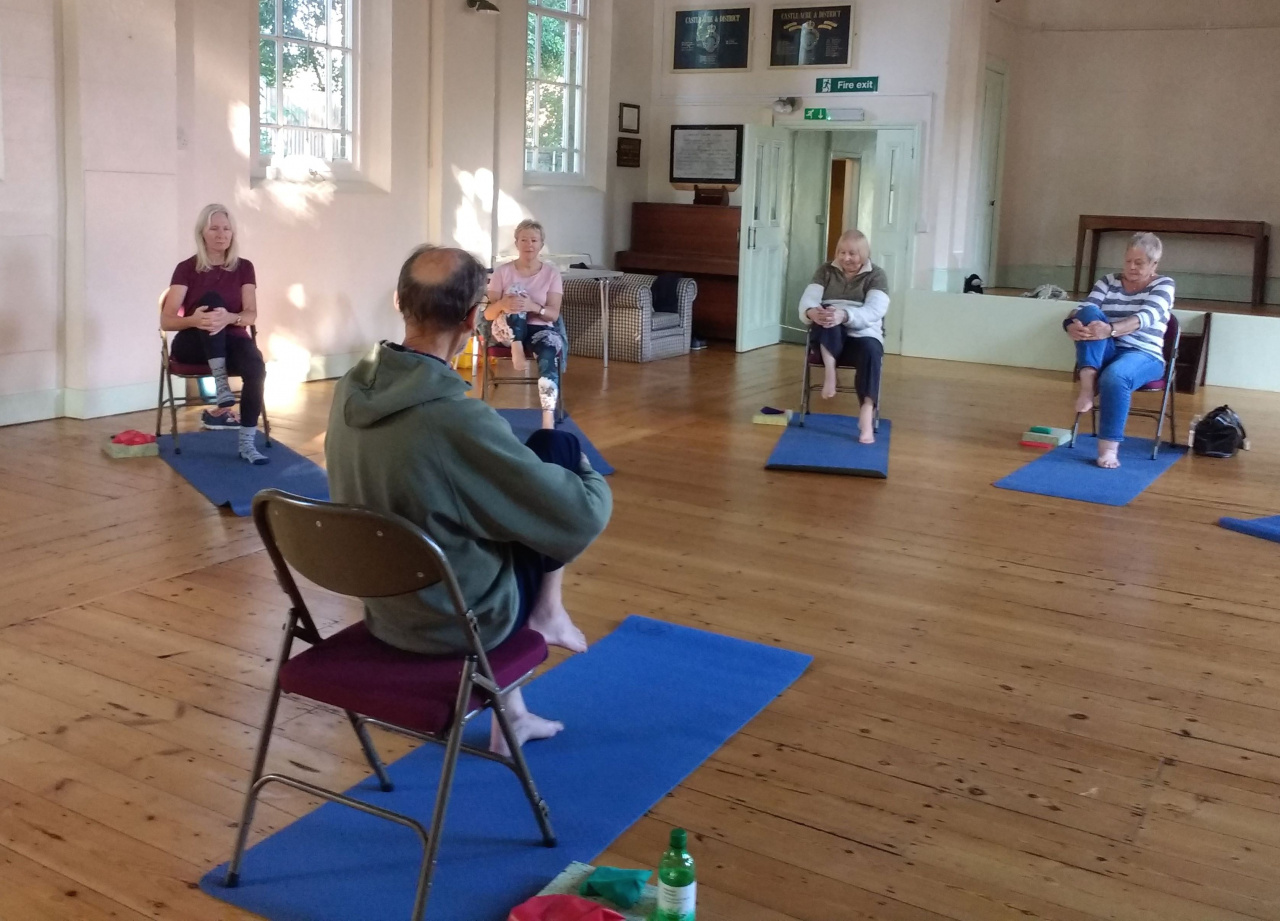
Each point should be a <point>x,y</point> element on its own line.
<point>1257,231</point>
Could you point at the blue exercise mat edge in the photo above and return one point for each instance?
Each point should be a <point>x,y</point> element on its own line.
<point>490,859</point>
<point>832,431</point>
<point>210,462</point>
<point>1267,528</point>
<point>1136,474</point>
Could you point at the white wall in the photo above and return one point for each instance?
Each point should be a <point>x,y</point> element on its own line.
<point>326,253</point>
<point>1152,107</point>
<point>30,251</point>
<point>470,72</point>
<point>928,56</point>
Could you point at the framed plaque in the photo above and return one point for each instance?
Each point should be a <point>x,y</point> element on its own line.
<point>811,36</point>
<point>628,152</point>
<point>706,154</point>
<point>712,39</point>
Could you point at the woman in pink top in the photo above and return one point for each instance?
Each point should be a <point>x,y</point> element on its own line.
<point>524,304</point>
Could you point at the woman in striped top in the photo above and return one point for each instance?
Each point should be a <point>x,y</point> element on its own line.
<point>1119,337</point>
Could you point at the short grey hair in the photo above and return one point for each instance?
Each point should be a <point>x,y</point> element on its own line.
<point>1149,243</point>
<point>530,224</point>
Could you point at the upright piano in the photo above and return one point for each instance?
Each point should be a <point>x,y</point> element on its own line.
<point>700,241</point>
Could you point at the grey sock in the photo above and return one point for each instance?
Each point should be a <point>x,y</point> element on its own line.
<point>219,368</point>
<point>248,450</point>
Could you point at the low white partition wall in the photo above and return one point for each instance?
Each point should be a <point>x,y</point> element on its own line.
<point>1024,332</point>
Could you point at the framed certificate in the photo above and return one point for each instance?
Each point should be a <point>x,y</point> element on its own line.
<point>712,39</point>
<point>706,154</point>
<point>811,36</point>
<point>628,118</point>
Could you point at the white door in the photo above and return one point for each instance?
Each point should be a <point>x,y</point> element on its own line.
<point>984,237</point>
<point>892,230</point>
<point>762,254</point>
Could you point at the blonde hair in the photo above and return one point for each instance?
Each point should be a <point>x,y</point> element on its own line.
<point>232,258</point>
<point>859,240</point>
<point>530,224</point>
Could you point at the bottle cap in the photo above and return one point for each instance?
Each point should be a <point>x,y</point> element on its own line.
<point>678,839</point>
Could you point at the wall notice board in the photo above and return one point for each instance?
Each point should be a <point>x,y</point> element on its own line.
<point>706,154</point>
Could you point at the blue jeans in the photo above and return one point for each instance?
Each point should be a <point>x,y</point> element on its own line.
<point>1121,370</point>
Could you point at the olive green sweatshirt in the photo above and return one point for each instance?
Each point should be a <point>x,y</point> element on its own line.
<point>404,437</point>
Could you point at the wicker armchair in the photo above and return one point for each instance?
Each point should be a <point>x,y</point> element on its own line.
<point>636,331</point>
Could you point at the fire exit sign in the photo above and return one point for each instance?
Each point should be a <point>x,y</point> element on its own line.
<point>816,115</point>
<point>848,85</point>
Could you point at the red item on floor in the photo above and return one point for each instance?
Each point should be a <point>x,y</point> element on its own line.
<point>561,908</point>
<point>133,437</point>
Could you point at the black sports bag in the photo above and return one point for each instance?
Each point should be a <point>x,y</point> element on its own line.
<point>1219,434</point>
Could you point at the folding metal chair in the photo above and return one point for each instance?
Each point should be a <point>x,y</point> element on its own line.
<point>493,351</point>
<point>171,368</point>
<point>360,553</point>
<point>1162,385</point>
<point>813,359</point>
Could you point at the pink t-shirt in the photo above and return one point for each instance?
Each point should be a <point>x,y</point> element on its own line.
<point>537,288</point>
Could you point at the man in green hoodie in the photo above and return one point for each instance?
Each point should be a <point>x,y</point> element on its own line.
<point>405,438</point>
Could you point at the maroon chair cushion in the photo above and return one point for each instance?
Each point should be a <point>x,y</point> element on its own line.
<point>499,351</point>
<point>1153,386</point>
<point>354,670</point>
<point>177,367</point>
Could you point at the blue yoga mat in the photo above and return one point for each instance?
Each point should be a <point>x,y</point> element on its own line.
<point>1266,528</point>
<point>211,463</point>
<point>642,708</point>
<point>1073,473</point>
<point>828,443</point>
<point>524,422</point>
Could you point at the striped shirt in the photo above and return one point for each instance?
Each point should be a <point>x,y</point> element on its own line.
<point>1153,306</point>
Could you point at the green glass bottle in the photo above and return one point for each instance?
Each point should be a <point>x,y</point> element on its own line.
<point>677,882</point>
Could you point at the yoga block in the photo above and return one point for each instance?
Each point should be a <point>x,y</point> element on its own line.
<point>782,418</point>
<point>111,449</point>
<point>1049,439</point>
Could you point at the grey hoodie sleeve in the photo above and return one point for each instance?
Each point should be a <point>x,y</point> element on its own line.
<point>506,493</point>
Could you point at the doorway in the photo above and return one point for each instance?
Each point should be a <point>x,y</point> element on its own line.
<point>842,200</point>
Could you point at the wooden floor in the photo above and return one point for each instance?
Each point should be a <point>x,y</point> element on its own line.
<point>1019,707</point>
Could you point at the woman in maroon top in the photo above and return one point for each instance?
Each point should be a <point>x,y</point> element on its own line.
<point>211,303</point>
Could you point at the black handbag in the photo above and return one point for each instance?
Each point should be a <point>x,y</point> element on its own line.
<point>1219,434</point>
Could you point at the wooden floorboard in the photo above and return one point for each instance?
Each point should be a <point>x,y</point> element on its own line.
<point>1019,707</point>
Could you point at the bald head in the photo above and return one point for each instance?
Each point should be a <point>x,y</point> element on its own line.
<point>438,286</point>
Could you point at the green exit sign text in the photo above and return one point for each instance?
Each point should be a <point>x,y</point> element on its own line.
<point>848,85</point>
<point>816,115</point>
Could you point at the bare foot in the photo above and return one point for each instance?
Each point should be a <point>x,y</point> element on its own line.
<point>828,386</point>
<point>1108,461</point>
<point>548,419</point>
<point>527,727</point>
<point>556,627</point>
<point>867,423</point>
<point>1084,402</point>
<point>866,436</point>
<point>518,361</point>
<point>1107,454</point>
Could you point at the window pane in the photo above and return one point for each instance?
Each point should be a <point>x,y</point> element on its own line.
<point>551,116</point>
<point>551,50</point>
<point>556,4</point>
<point>339,90</point>
<point>267,112</point>
<point>531,46</point>
<point>267,17</point>
<point>573,70</point>
<point>341,147</point>
<point>303,19</point>
<point>266,141</point>
<point>531,115</point>
<point>303,84</point>
<point>339,24</point>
